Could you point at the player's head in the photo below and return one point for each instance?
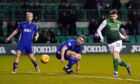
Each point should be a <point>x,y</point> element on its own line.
<point>113,14</point>
<point>29,16</point>
<point>81,39</point>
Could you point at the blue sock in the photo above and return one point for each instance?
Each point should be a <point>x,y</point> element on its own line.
<point>72,61</point>
<point>15,65</point>
<point>34,63</point>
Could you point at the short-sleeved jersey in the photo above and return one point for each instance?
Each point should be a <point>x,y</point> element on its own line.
<point>71,45</point>
<point>112,30</point>
<point>27,30</point>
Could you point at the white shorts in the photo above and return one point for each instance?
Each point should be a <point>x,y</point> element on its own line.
<point>115,46</point>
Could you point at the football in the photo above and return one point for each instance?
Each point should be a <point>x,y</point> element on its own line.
<point>45,58</point>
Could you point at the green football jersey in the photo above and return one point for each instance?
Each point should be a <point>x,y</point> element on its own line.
<point>112,30</point>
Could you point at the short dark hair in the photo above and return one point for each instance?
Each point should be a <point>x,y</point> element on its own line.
<point>113,12</point>
<point>83,36</point>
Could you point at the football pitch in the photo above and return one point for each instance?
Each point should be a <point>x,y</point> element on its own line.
<point>94,69</point>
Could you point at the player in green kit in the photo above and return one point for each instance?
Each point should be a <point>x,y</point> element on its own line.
<point>114,41</point>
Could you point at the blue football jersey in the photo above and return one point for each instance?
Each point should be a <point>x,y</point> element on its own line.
<point>71,45</point>
<point>27,30</point>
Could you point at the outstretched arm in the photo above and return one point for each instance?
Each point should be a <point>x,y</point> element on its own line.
<point>100,28</point>
<point>12,34</point>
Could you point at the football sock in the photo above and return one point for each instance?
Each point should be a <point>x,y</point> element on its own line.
<point>122,63</point>
<point>15,65</point>
<point>115,64</point>
<point>34,63</point>
<point>72,61</point>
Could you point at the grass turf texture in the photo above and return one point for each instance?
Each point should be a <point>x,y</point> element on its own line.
<point>94,69</point>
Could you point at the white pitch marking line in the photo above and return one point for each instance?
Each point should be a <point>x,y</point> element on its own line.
<point>82,76</point>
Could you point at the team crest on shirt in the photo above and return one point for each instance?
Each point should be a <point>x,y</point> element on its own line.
<point>69,44</point>
<point>109,24</point>
<point>114,29</point>
<point>27,30</point>
<point>118,25</point>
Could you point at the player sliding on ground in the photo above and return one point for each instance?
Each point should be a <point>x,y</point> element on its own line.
<point>114,41</point>
<point>27,30</point>
<point>70,50</point>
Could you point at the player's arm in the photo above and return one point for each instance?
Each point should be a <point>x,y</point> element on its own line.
<point>12,34</point>
<point>77,67</point>
<point>62,53</point>
<point>36,33</point>
<point>36,36</point>
<point>123,34</point>
<point>123,37</point>
<point>100,28</point>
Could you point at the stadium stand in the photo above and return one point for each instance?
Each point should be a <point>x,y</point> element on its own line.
<point>50,11</point>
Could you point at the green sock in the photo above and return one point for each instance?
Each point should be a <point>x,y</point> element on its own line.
<point>115,64</point>
<point>122,63</point>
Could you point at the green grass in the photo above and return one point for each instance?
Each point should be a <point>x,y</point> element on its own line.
<point>95,69</point>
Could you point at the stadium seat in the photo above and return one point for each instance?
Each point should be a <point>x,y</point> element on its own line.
<point>50,14</point>
<point>3,13</point>
<point>89,39</point>
<point>82,31</point>
<point>61,39</point>
<point>41,30</point>
<point>138,39</point>
<point>80,14</point>
<point>76,1</point>
<point>58,40</point>
<point>53,30</point>
<point>2,38</point>
<point>5,31</point>
<point>105,39</point>
<point>58,32</point>
<point>90,14</point>
<point>132,39</point>
<point>79,31</point>
<point>71,37</point>
<point>85,31</point>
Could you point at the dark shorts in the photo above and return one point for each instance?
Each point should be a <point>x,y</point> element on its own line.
<point>58,55</point>
<point>26,47</point>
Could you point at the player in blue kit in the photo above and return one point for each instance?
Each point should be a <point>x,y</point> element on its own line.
<point>27,31</point>
<point>70,50</point>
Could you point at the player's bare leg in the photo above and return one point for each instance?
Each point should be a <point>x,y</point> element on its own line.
<point>16,61</point>
<point>73,58</point>
<point>33,59</point>
<point>73,54</point>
